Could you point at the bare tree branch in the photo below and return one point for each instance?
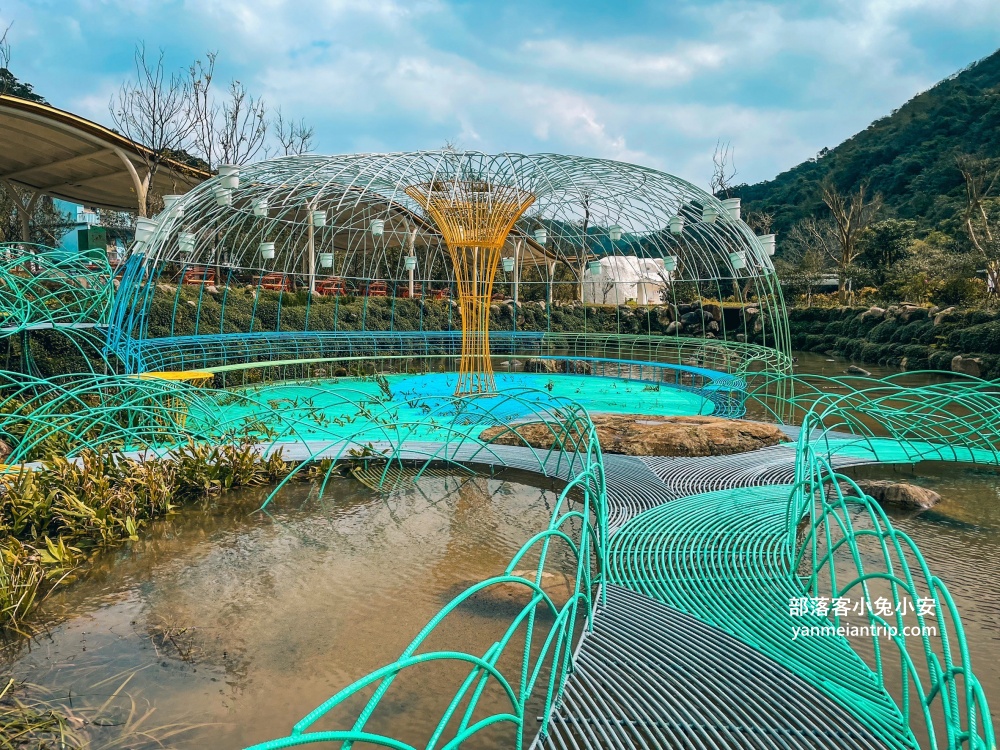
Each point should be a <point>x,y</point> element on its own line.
<point>4,48</point>
<point>981,214</point>
<point>294,137</point>
<point>724,169</point>
<point>152,110</point>
<point>759,221</point>
<point>243,126</point>
<point>852,214</point>
<point>4,58</point>
<point>203,111</point>
<point>806,257</point>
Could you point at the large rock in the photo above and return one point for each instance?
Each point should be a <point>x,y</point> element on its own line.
<point>944,316</point>
<point>912,312</point>
<point>540,365</point>
<point>967,365</point>
<point>714,310</point>
<point>695,318</point>
<point>899,494</point>
<point>873,313</point>
<point>638,435</point>
<point>515,596</point>
<point>674,328</point>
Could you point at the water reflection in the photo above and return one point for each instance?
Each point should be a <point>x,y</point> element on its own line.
<point>243,622</point>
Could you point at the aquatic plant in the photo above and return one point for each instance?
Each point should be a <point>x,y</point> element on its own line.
<point>54,519</point>
<point>33,717</point>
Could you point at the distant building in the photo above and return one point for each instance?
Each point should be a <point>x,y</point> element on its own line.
<point>625,278</point>
<point>87,234</point>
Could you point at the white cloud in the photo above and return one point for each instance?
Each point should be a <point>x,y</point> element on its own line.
<point>778,80</point>
<point>621,63</point>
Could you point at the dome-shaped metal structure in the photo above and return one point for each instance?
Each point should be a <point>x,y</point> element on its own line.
<point>327,257</point>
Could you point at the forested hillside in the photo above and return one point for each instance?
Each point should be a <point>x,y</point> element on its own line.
<point>908,156</point>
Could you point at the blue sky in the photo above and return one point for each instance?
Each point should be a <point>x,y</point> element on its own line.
<point>656,83</point>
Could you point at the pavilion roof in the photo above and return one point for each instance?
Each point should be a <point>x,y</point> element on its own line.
<point>57,153</point>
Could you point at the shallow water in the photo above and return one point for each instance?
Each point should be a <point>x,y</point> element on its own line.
<point>245,622</point>
<point>959,538</point>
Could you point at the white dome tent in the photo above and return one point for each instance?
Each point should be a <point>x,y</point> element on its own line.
<point>628,278</point>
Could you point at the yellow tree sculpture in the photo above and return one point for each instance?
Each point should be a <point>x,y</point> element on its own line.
<point>474,217</point>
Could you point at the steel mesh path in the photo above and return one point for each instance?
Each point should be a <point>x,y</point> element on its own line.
<point>722,557</point>
<point>649,675</point>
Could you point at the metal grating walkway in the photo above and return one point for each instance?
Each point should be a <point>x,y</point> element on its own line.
<point>650,676</point>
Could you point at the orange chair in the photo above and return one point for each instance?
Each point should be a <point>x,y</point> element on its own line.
<point>377,289</point>
<point>333,286</point>
<point>197,275</point>
<point>276,282</point>
<point>403,292</point>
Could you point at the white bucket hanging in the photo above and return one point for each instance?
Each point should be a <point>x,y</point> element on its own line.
<point>615,233</point>
<point>144,229</point>
<point>670,263</point>
<point>229,176</point>
<point>508,265</point>
<point>541,236</point>
<point>260,207</point>
<point>326,260</point>
<point>223,196</point>
<point>709,213</point>
<point>738,260</point>
<point>171,206</point>
<point>594,267</point>
<point>676,224</point>
<point>732,206</point>
<point>410,262</point>
<point>378,227</point>
<point>267,250</point>
<point>186,241</point>
<point>319,218</point>
<point>768,241</point>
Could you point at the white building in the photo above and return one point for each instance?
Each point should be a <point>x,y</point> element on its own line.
<point>627,277</point>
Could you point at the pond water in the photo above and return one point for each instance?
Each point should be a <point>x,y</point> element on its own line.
<point>236,624</point>
<point>959,537</point>
<point>243,622</point>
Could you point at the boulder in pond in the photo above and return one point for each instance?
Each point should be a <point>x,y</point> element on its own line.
<point>713,310</point>
<point>504,598</point>
<point>639,435</point>
<point>899,494</point>
<point>855,370</point>
<point>967,365</point>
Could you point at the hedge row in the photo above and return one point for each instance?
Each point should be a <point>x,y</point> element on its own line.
<point>195,311</point>
<point>906,337</point>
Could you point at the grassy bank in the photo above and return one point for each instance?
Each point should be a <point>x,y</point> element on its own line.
<point>912,337</point>
<point>52,521</point>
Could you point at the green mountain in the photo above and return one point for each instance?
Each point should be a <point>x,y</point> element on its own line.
<point>908,156</point>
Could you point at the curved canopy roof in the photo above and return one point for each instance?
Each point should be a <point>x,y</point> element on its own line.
<point>57,153</point>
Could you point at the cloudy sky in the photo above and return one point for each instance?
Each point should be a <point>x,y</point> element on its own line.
<point>657,82</point>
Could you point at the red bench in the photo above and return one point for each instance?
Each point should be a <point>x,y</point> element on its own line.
<point>197,275</point>
<point>333,286</point>
<point>276,282</point>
